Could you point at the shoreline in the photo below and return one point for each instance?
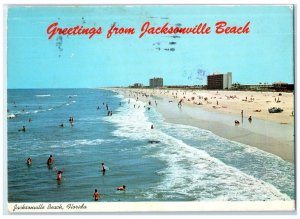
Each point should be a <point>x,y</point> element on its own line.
<point>267,135</point>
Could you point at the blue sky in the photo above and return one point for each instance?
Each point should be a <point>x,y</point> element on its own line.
<point>264,55</point>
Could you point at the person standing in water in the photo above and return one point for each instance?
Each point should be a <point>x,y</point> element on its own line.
<point>59,174</point>
<point>50,160</point>
<point>29,161</point>
<point>250,119</point>
<point>103,168</point>
<point>96,195</point>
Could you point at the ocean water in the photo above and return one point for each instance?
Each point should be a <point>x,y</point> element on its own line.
<point>187,164</point>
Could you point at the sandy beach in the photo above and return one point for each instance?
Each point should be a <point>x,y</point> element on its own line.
<point>216,111</point>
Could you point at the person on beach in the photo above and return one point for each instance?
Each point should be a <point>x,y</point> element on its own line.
<point>121,188</point>
<point>242,113</point>
<point>50,160</point>
<point>96,195</point>
<point>29,161</point>
<point>180,103</point>
<point>59,174</point>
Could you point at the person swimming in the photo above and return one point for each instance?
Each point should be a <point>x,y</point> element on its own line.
<point>96,195</point>
<point>23,129</point>
<point>29,161</point>
<point>153,141</point>
<point>121,188</point>
<point>152,127</point>
<point>50,160</point>
<point>61,125</point>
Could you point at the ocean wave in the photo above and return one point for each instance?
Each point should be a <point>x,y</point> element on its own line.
<point>119,96</point>
<point>208,178</point>
<point>78,142</point>
<point>191,172</point>
<point>11,116</point>
<point>250,160</point>
<point>43,95</point>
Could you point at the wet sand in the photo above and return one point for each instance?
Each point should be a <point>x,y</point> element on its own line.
<point>270,133</point>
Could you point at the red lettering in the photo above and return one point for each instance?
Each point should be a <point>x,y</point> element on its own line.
<point>198,29</point>
<point>70,31</point>
<point>116,30</point>
<point>75,30</point>
<point>164,29</point>
<point>52,29</point>
<point>221,27</point>
<point>246,28</point>
<point>144,28</point>
<point>65,31</point>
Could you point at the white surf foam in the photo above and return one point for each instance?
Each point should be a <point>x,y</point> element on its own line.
<point>78,142</point>
<point>189,171</point>
<point>11,116</point>
<point>43,95</point>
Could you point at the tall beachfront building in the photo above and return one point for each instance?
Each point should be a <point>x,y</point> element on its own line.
<point>156,82</point>
<point>219,81</point>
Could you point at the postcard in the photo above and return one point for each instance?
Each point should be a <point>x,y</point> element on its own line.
<point>150,108</point>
